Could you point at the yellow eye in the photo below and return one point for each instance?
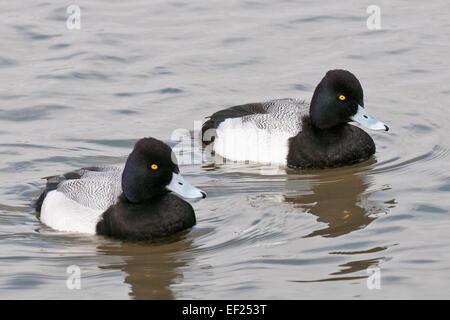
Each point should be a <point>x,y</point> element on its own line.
<point>342,97</point>
<point>154,167</point>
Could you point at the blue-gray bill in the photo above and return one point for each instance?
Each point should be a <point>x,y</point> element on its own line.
<point>184,188</point>
<point>366,120</point>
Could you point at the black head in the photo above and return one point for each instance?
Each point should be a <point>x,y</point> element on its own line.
<point>148,170</point>
<point>335,99</point>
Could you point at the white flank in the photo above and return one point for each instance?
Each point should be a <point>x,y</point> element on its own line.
<point>239,140</point>
<point>62,213</point>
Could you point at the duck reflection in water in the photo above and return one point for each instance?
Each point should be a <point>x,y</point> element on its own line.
<point>338,197</point>
<point>151,268</point>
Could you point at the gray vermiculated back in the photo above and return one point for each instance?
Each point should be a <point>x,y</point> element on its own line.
<point>97,188</point>
<point>283,115</point>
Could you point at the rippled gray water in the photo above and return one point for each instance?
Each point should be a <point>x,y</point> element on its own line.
<point>74,98</point>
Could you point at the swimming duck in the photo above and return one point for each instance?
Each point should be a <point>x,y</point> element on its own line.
<point>130,202</point>
<point>291,132</point>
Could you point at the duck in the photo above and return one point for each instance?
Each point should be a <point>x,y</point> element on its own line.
<point>290,132</point>
<point>135,201</point>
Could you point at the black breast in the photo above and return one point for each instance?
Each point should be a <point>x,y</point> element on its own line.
<point>337,146</point>
<point>163,216</point>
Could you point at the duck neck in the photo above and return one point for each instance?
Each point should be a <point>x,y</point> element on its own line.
<point>309,127</point>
